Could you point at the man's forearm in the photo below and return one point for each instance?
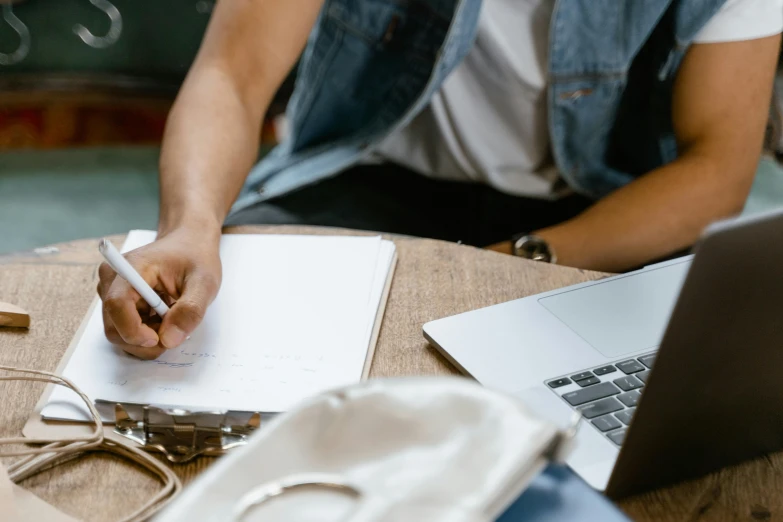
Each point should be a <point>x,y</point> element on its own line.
<point>211,142</point>
<point>720,104</point>
<point>657,215</point>
<point>211,138</point>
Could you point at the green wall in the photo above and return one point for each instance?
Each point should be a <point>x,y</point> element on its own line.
<point>159,38</point>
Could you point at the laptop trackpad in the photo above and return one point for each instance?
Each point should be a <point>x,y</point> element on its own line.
<point>623,315</point>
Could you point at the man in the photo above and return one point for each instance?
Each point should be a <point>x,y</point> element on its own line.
<point>652,112</point>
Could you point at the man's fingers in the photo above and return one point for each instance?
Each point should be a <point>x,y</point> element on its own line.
<point>105,278</point>
<point>110,331</point>
<point>139,351</point>
<point>114,336</point>
<point>119,306</point>
<point>188,312</point>
<point>145,353</point>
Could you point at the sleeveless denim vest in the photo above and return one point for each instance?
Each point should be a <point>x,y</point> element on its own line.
<point>371,65</point>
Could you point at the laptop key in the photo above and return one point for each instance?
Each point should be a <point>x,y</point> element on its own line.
<point>591,393</point>
<point>588,382</point>
<point>628,383</point>
<point>625,416</point>
<point>618,436</point>
<point>557,383</point>
<point>642,376</point>
<point>603,370</point>
<point>581,376</point>
<point>647,360</point>
<point>630,366</point>
<point>602,407</point>
<point>630,398</point>
<point>606,423</point>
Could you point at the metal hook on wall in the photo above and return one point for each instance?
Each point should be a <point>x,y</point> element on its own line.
<point>102,42</point>
<point>205,6</point>
<point>24,37</point>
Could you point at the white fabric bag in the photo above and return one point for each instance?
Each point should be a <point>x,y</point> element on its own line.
<point>395,450</point>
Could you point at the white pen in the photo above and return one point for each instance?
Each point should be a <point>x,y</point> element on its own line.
<point>128,273</point>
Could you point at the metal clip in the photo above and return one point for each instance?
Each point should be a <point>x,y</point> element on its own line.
<point>181,434</point>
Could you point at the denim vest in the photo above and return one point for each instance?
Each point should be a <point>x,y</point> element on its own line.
<point>371,65</point>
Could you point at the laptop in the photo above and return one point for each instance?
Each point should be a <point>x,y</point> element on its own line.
<point>676,369</point>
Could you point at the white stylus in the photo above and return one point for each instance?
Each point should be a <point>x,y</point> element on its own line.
<point>128,273</point>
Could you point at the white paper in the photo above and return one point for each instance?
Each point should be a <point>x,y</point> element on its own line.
<point>293,317</point>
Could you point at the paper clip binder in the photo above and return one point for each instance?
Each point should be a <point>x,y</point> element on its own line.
<point>199,420</point>
<point>181,434</point>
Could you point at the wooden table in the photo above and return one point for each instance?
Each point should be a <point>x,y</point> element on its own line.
<point>433,279</point>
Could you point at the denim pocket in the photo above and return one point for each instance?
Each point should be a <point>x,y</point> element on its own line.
<point>381,43</point>
<point>369,62</point>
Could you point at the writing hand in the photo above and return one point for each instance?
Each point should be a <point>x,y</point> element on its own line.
<point>184,267</point>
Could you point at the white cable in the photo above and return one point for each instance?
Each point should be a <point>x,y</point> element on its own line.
<point>56,452</point>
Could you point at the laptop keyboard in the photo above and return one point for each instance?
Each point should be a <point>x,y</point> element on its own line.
<point>606,396</point>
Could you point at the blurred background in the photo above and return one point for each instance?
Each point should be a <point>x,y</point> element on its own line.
<point>85,86</point>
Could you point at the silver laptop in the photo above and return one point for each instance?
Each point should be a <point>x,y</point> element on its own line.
<point>677,368</point>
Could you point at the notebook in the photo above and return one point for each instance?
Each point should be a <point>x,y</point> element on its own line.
<point>295,316</point>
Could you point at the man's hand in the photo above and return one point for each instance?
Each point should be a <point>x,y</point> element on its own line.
<point>184,267</point>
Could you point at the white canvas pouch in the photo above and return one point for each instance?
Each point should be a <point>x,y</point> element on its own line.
<point>395,450</point>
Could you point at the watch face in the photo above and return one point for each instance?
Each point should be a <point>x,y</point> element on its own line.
<point>533,247</point>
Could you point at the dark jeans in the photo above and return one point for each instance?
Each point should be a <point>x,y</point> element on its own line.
<point>390,198</point>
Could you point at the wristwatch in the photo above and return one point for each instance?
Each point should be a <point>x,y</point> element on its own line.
<point>533,247</point>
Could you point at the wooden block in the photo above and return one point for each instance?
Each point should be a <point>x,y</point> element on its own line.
<point>11,315</point>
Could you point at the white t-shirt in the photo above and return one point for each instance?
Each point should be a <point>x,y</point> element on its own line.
<point>488,122</point>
